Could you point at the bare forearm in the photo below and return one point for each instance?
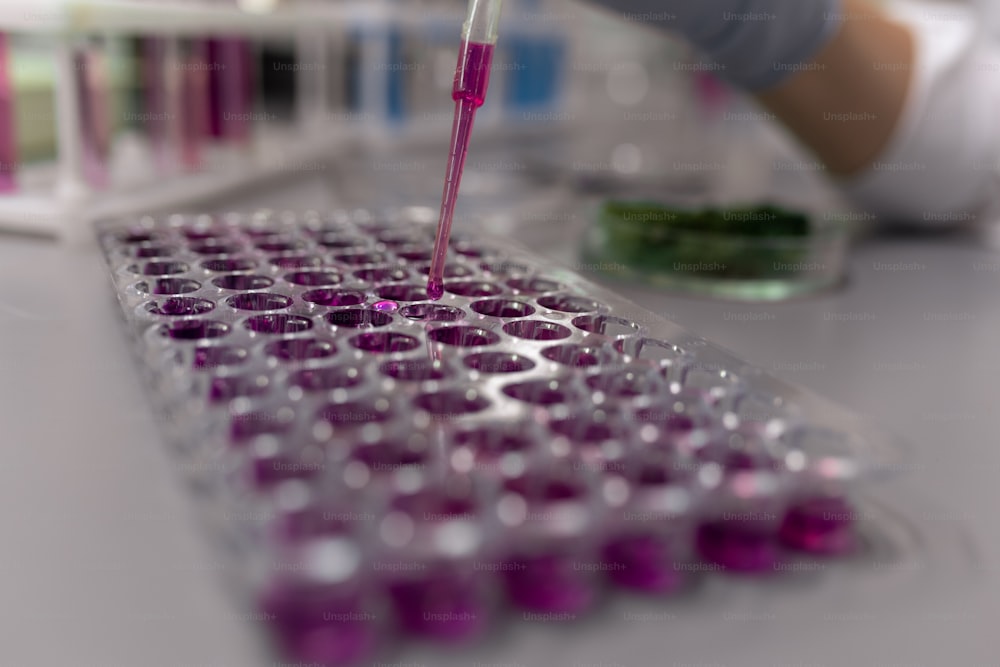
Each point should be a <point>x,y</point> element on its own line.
<point>846,104</point>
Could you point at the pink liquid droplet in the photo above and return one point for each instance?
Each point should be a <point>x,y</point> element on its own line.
<point>386,306</point>
<point>435,289</point>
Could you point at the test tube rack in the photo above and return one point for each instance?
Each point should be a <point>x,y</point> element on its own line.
<point>61,198</point>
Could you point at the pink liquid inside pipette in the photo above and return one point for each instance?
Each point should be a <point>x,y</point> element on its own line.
<point>472,78</point>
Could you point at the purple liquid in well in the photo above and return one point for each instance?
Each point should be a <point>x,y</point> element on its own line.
<point>537,330</point>
<point>451,402</point>
<point>280,245</point>
<point>396,238</point>
<point>464,336</point>
<point>361,258</point>
<point>582,429</point>
<point>259,301</point>
<point>538,392</point>
<point>163,268</point>
<point>172,286</point>
<point>472,76</point>
<point>278,324</point>
<point>263,231</point>
<point>402,292</point>
<point>503,308</point>
<point>313,278</point>
<point>643,562</point>
<point>305,619</point>
<point>435,504</point>
<point>328,297</point>
<point>732,460</point>
<point>386,306</point>
<point>357,318</point>
<point>252,424</point>
<point>242,282</point>
<point>389,456</point>
<point>316,520</point>
<point>218,356</point>
<point>381,274</point>
<point>195,330</point>
<point>451,270</point>
<point>180,306</point>
<point>747,546</point>
<point>414,370</point>
<point>300,349</point>
<point>414,254</point>
<point>356,413</point>
<point>661,468</point>
<point>822,525</point>
<point>214,247</point>
<point>385,343</point>
<point>492,443</point>
<point>135,237</point>
<point>326,379</point>
<point>341,242</point>
<point>439,605</point>
<point>229,264</point>
<point>473,250</point>
<point>432,312</point>
<point>270,470</point>
<point>498,362</point>
<point>296,262</point>
<point>667,419</point>
<point>543,487</point>
<point>548,583</point>
<point>199,233</point>
<point>235,386</point>
<point>473,288</point>
<point>154,251</point>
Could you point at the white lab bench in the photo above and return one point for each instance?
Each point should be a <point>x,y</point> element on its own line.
<point>102,563</point>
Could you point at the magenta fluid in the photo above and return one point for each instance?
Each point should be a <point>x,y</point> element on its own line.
<point>93,90</point>
<point>472,76</point>
<point>8,132</point>
<point>423,467</point>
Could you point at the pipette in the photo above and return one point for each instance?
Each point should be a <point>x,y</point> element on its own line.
<point>472,76</point>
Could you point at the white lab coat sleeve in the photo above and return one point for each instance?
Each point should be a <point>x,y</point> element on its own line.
<point>942,166</point>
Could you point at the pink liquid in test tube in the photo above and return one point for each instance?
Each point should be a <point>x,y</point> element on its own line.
<point>472,78</point>
<point>155,97</point>
<point>93,89</point>
<point>8,133</point>
<point>195,103</point>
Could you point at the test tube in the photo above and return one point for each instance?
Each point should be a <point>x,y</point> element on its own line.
<point>93,90</point>
<point>8,130</point>
<point>155,103</point>
<point>195,102</point>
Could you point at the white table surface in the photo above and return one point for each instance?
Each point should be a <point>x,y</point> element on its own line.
<point>103,565</point>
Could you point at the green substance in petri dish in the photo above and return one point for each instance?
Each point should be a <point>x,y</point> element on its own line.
<point>736,244</point>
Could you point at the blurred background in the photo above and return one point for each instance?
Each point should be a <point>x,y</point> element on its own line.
<point>119,106</point>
